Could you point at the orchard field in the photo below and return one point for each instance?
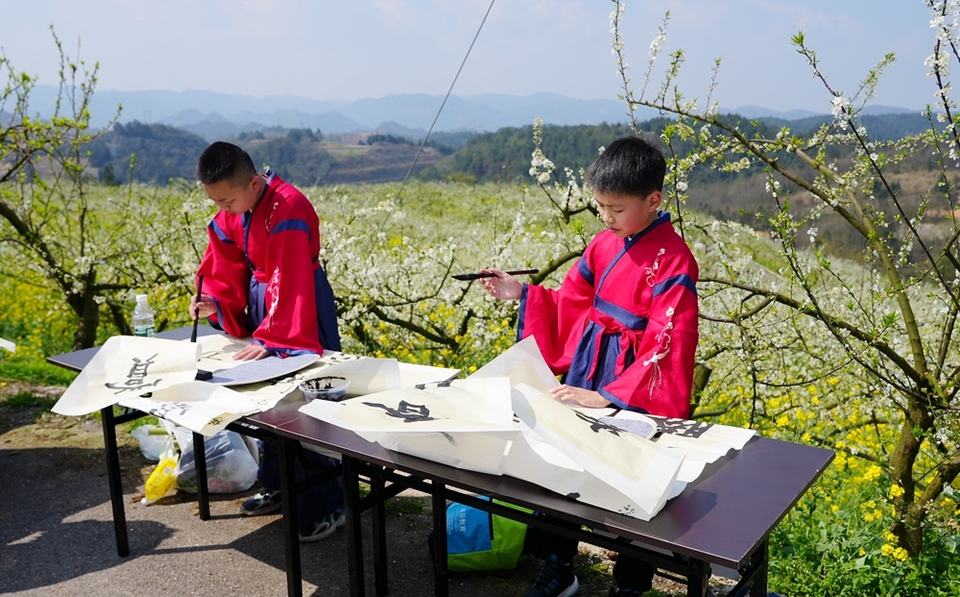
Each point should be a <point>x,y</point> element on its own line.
<point>390,261</point>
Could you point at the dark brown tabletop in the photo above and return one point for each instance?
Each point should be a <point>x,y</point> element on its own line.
<point>720,518</point>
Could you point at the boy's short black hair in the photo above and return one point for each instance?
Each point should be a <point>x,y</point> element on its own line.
<point>628,166</point>
<point>224,161</point>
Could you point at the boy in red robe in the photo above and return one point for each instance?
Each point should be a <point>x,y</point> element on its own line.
<point>262,278</point>
<point>621,330</point>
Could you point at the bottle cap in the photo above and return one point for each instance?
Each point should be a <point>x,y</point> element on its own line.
<point>141,298</point>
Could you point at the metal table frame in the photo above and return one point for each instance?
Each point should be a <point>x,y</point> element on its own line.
<point>724,518</point>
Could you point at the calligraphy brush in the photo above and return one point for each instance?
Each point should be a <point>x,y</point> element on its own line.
<point>196,319</point>
<point>201,374</point>
<point>479,275</point>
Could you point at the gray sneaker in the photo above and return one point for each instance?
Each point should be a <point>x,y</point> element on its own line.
<point>264,502</point>
<point>555,580</point>
<point>323,529</point>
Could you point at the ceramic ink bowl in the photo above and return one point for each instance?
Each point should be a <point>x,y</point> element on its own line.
<point>331,387</point>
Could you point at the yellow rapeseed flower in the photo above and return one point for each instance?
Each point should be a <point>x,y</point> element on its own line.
<point>896,491</point>
<point>872,473</point>
<point>949,505</point>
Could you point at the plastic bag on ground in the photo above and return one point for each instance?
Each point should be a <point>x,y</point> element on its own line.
<point>163,477</point>
<point>230,466</point>
<point>153,440</point>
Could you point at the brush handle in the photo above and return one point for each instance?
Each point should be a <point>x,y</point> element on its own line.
<point>196,321</point>
<point>478,275</point>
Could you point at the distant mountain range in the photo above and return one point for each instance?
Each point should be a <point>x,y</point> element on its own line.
<point>221,115</point>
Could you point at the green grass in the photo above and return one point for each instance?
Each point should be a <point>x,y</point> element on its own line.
<point>28,400</point>
<point>401,505</point>
<point>35,371</point>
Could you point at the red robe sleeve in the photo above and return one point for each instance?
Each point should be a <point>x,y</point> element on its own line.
<point>226,276</point>
<point>290,309</point>
<point>556,318</point>
<point>660,380</point>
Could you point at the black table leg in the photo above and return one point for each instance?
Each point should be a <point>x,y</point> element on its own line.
<point>760,560</point>
<point>378,519</point>
<point>440,581</point>
<point>351,508</point>
<point>291,533</point>
<point>200,460</point>
<point>698,577</point>
<point>113,479</point>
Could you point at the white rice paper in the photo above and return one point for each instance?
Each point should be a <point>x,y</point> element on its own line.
<point>127,366</point>
<point>467,424</point>
<point>611,469</point>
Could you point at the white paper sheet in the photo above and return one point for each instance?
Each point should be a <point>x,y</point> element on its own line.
<point>217,351</point>
<point>366,375</point>
<point>521,363</point>
<point>635,475</point>
<point>198,406</point>
<point>467,424</point>
<point>127,366</point>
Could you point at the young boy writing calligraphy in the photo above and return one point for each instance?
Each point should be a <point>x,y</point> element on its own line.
<point>262,277</point>
<point>621,329</point>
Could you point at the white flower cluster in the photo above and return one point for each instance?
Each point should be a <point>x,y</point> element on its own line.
<point>840,111</point>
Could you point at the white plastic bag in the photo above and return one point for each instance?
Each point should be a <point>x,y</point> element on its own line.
<point>230,466</point>
<point>153,439</point>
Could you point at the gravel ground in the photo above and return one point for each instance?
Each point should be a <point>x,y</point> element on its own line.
<point>56,529</point>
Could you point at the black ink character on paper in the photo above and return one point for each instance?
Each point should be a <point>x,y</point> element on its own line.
<point>440,384</point>
<point>410,413</point>
<point>682,427</point>
<point>596,425</point>
<point>165,409</point>
<point>135,377</point>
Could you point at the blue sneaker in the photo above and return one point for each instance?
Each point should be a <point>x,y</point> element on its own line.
<point>323,529</point>
<point>555,580</point>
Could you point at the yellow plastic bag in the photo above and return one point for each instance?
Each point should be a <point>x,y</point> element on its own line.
<point>162,479</point>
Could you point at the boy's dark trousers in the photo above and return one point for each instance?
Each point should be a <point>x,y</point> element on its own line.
<point>312,504</point>
<point>630,573</point>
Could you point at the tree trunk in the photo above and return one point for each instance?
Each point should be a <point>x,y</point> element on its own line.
<point>88,319</point>
<point>910,514</point>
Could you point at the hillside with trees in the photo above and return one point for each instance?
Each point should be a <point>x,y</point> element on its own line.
<point>150,152</point>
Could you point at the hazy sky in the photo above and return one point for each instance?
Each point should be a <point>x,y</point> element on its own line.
<point>351,49</point>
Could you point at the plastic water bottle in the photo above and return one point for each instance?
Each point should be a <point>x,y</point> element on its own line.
<point>143,318</point>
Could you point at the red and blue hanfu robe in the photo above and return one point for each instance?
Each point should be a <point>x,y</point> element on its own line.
<point>263,270</point>
<point>624,321</point>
